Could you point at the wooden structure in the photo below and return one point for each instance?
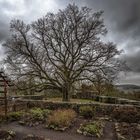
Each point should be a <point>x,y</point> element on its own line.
<point>4,83</point>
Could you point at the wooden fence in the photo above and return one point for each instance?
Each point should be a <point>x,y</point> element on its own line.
<point>18,106</point>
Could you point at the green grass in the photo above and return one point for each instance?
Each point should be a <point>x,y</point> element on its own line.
<point>129,95</point>
<point>71,100</point>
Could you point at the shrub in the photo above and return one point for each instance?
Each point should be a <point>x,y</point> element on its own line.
<point>91,129</point>
<point>35,117</point>
<point>15,116</point>
<point>123,114</point>
<point>86,111</point>
<point>61,119</point>
<point>39,114</point>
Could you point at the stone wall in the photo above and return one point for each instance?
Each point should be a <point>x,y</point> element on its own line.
<point>101,108</point>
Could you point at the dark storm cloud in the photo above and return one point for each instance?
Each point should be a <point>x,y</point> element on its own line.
<point>121,16</point>
<point>128,17</point>
<point>5,6</point>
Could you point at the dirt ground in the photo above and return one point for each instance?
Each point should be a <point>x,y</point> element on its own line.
<point>70,134</point>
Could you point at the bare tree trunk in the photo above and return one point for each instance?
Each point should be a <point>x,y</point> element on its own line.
<point>66,96</point>
<point>66,93</point>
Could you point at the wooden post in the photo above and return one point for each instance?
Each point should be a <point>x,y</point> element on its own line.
<point>5,85</point>
<point>5,97</point>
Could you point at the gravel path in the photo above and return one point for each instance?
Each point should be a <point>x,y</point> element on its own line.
<point>22,131</point>
<point>109,132</point>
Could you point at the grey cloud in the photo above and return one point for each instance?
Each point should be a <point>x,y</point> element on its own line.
<point>4,23</point>
<point>133,61</point>
<point>129,78</point>
<point>3,30</point>
<point>122,16</point>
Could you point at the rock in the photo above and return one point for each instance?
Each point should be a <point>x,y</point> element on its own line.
<point>84,133</point>
<point>120,137</point>
<point>11,133</point>
<point>117,130</point>
<point>6,135</point>
<point>138,127</point>
<point>30,135</point>
<point>125,124</point>
<point>79,131</point>
<point>21,122</point>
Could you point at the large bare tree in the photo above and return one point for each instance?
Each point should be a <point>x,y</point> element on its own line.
<point>59,49</point>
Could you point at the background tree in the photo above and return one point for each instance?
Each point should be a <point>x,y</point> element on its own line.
<point>59,49</point>
<point>99,83</point>
<point>104,79</point>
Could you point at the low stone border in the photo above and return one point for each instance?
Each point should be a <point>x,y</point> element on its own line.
<point>119,136</point>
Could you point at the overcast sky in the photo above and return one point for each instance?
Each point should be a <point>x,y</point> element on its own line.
<point>122,18</point>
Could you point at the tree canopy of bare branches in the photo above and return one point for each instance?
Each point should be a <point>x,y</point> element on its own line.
<point>59,49</point>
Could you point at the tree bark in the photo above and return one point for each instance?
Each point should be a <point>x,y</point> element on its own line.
<point>66,93</point>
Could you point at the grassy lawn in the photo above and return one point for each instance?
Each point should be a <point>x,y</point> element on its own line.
<point>71,100</point>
